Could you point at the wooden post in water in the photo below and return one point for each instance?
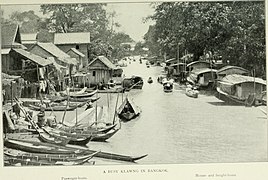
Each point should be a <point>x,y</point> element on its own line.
<point>115,107</point>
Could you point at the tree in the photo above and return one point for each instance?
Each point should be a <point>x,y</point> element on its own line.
<point>29,22</point>
<point>77,18</point>
<point>234,30</point>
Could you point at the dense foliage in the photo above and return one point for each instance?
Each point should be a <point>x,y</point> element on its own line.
<point>233,30</point>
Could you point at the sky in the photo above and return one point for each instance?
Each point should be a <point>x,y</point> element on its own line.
<point>129,15</point>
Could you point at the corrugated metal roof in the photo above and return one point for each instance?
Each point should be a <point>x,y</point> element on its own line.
<point>105,61</point>
<point>77,52</point>
<point>237,79</point>
<point>72,38</point>
<point>37,59</point>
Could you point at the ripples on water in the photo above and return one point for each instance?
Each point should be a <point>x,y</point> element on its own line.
<point>174,128</point>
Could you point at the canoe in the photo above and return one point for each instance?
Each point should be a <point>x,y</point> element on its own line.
<point>36,162</point>
<point>38,147</point>
<point>91,99</point>
<point>77,139</point>
<point>59,157</point>
<point>50,138</point>
<point>103,136</point>
<point>47,159</point>
<point>54,108</point>
<point>82,95</point>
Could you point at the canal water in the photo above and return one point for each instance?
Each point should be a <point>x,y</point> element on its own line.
<point>174,128</point>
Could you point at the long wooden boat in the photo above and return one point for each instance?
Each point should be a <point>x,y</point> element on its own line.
<point>57,157</point>
<point>82,95</point>
<point>38,162</point>
<point>55,108</point>
<point>38,147</point>
<point>77,139</point>
<point>90,99</point>
<point>113,156</point>
<point>128,110</point>
<point>103,136</point>
<point>50,138</point>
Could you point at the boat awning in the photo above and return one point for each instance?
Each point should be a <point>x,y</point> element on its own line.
<point>238,79</point>
<point>36,59</point>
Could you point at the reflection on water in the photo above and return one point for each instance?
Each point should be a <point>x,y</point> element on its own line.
<point>174,128</point>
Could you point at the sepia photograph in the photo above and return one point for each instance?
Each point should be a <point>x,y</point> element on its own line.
<point>108,85</point>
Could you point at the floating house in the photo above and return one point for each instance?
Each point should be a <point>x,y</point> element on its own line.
<point>240,89</point>
<point>202,77</point>
<point>227,70</point>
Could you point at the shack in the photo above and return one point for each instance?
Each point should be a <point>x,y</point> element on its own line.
<point>101,70</point>
<point>60,59</point>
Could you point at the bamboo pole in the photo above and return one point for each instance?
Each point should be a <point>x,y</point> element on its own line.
<point>115,107</point>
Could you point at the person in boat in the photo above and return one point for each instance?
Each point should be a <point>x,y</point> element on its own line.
<point>150,80</point>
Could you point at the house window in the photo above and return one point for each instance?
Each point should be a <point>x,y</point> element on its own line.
<point>77,47</point>
<point>94,73</point>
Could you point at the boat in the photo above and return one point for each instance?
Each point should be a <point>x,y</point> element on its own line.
<point>103,136</point>
<point>53,108</point>
<point>15,156</point>
<point>204,77</point>
<point>240,89</point>
<point>191,92</point>
<point>167,85</point>
<point>80,94</point>
<point>150,80</point>
<point>38,147</point>
<point>90,99</point>
<point>160,78</point>
<point>23,161</point>
<point>134,82</point>
<point>128,110</point>
<point>77,139</point>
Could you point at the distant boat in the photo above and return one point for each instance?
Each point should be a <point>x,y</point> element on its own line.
<point>191,92</point>
<point>239,89</point>
<point>150,80</point>
<point>128,110</point>
<point>168,86</point>
<point>54,108</point>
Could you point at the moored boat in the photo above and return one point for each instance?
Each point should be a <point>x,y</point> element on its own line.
<point>134,82</point>
<point>239,89</point>
<point>54,108</point>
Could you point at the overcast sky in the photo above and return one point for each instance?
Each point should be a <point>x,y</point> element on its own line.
<point>129,15</point>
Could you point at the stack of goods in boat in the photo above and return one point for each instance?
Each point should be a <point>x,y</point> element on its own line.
<point>191,91</point>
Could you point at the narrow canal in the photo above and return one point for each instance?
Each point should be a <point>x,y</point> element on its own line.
<point>174,128</point>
